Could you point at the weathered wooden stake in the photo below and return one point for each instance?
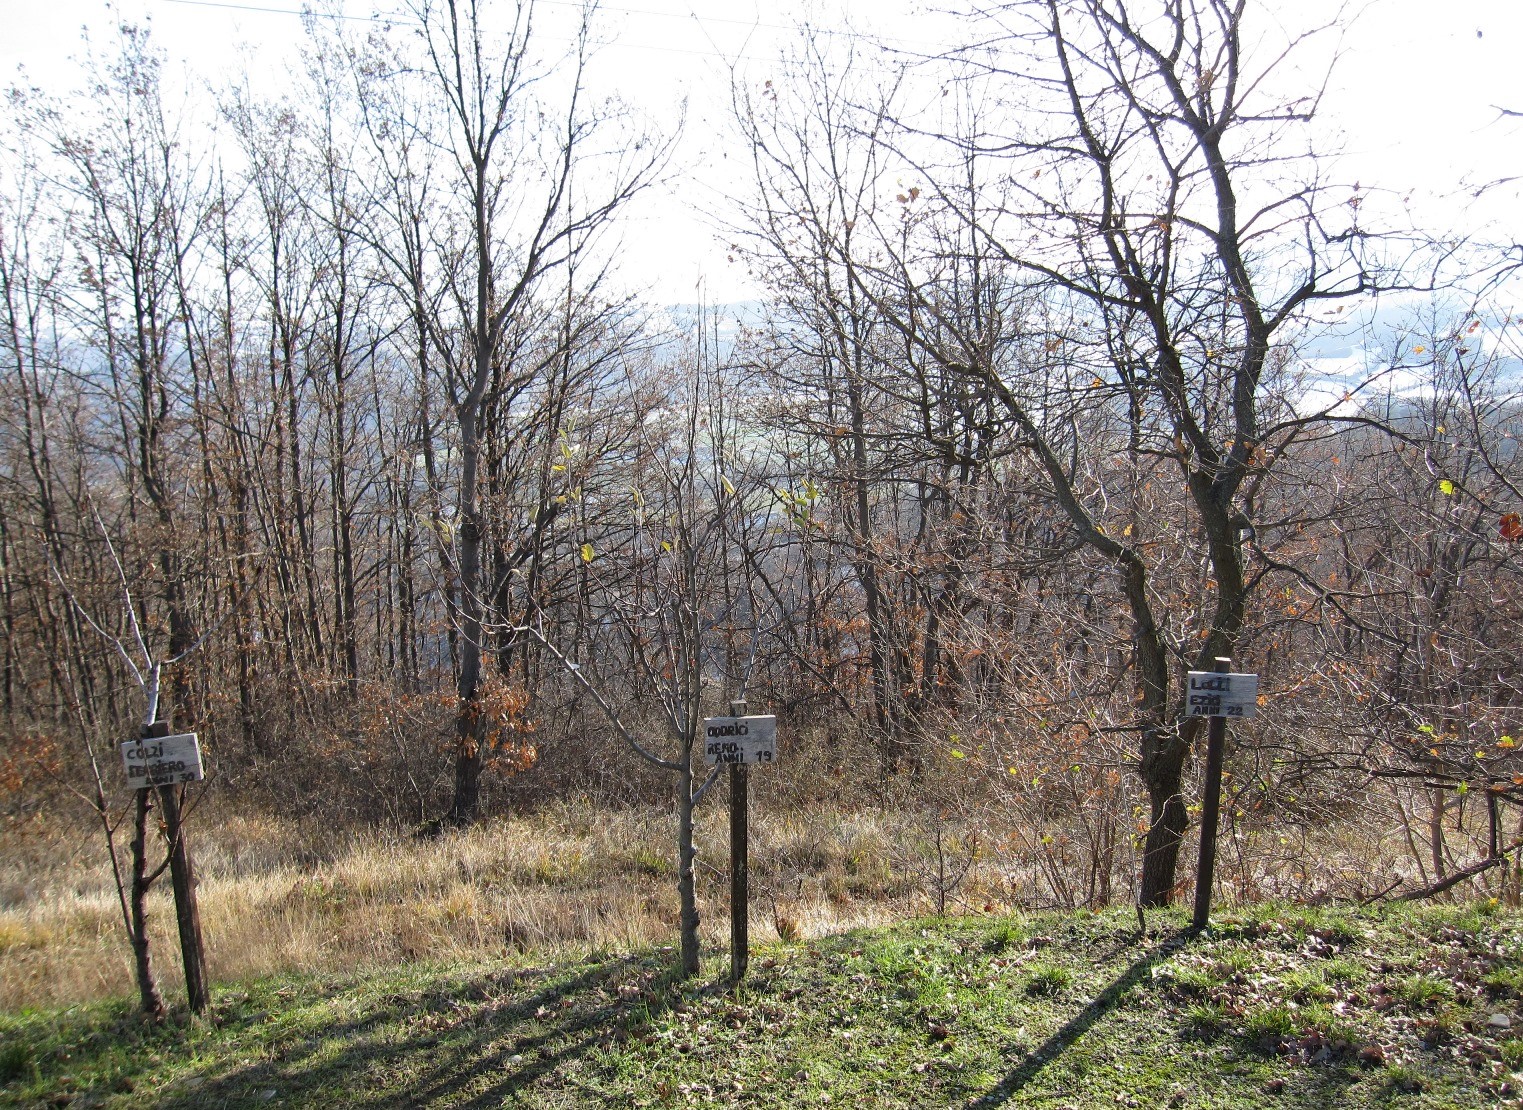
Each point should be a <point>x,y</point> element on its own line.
<point>740,903</point>
<point>1211,804</point>
<point>182,878</point>
<point>1494,840</point>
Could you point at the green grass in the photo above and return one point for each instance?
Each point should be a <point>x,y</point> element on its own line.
<point>1424,992</point>
<point>1512,1054</point>
<point>1342,972</point>
<point>15,1061</point>
<point>1269,1025</point>
<point>1400,1079</point>
<point>1308,985</point>
<point>1205,1020</point>
<point>1048,978</point>
<point>1504,982</point>
<point>1194,981</point>
<point>927,1014</point>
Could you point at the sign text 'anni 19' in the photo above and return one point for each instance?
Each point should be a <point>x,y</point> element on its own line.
<point>740,739</point>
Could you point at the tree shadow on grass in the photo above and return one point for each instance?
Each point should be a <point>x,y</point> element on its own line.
<point>1073,1030</point>
<point>1313,1086</point>
<point>484,1042</point>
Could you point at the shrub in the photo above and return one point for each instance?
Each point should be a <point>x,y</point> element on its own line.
<point>1270,1025</point>
<point>1048,979</point>
<point>15,1061</point>
<point>1205,1020</point>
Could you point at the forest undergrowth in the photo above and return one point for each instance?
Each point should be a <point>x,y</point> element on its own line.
<point>280,896</point>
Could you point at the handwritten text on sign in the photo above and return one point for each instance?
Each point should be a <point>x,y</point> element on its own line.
<point>1222,695</point>
<point>164,761</point>
<point>740,739</point>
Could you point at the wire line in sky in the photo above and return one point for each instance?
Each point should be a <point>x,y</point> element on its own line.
<point>701,20</point>
<point>274,11</point>
<point>223,4</point>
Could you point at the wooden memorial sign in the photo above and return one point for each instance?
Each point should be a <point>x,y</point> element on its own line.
<point>740,740</point>
<point>1217,694</point>
<point>162,761</point>
<point>1222,695</point>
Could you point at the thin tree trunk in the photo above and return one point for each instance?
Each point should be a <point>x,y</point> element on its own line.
<point>1436,832</point>
<point>687,893</point>
<point>142,958</point>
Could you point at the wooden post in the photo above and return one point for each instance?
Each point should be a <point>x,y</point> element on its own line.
<point>182,878</point>
<point>740,903</point>
<point>1494,841</point>
<point>1211,804</point>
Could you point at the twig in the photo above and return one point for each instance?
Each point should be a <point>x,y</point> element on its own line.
<point>575,671</point>
<point>1457,877</point>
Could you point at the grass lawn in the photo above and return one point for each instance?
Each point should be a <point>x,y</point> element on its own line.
<point>1276,1006</point>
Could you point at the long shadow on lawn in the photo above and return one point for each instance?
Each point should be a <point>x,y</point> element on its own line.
<point>1321,1085</point>
<point>575,1033</point>
<point>1081,1023</point>
<point>380,1063</point>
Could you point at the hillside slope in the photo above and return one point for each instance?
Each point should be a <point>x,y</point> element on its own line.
<point>1275,1007</point>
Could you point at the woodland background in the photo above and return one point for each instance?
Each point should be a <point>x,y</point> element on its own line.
<point>343,400</point>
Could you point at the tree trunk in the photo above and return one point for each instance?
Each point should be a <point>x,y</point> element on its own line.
<point>468,724</point>
<point>142,958</point>
<point>1164,749</point>
<point>1163,760</point>
<point>686,888</point>
<point>467,803</point>
<point>1436,832</point>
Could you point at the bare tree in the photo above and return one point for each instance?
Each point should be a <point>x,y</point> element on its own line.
<point>141,203</point>
<point>663,590</point>
<point>535,175</point>
<point>1161,198</point>
<point>147,670</point>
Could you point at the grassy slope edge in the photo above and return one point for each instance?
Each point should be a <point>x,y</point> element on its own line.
<point>1277,1006</point>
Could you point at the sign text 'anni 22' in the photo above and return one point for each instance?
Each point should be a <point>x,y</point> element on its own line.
<point>1222,695</point>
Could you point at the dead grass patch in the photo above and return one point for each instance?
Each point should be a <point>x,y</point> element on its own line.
<point>575,877</point>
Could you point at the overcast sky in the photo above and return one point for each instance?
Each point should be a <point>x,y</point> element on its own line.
<point>1415,103</point>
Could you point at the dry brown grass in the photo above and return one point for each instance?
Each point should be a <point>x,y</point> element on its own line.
<point>281,897</point>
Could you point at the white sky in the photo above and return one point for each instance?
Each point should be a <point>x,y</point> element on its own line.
<point>1414,102</point>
